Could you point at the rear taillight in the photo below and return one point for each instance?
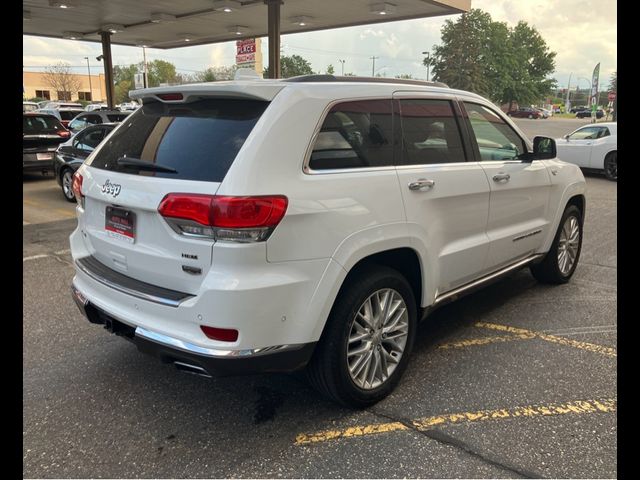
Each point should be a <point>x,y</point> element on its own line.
<point>76,186</point>
<point>232,219</point>
<point>64,133</point>
<point>170,96</point>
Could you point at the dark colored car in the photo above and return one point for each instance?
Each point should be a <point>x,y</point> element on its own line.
<point>579,109</point>
<point>587,113</point>
<point>96,117</point>
<point>71,154</point>
<point>41,136</point>
<point>524,112</point>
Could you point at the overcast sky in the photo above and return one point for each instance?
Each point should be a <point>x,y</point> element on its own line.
<point>582,32</point>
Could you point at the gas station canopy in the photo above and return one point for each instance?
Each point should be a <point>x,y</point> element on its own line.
<point>170,24</point>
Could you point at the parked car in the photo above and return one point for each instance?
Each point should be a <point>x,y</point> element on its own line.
<point>96,117</point>
<point>544,113</point>
<point>41,135</point>
<point>29,106</point>
<point>70,155</point>
<point>65,115</point>
<point>587,114</point>
<point>579,109</point>
<point>592,147</point>
<point>525,112</point>
<point>128,106</point>
<point>269,225</point>
<point>60,104</point>
<point>96,106</point>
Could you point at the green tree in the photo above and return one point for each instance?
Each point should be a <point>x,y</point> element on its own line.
<point>330,70</point>
<point>505,64</point>
<point>292,66</point>
<point>160,71</point>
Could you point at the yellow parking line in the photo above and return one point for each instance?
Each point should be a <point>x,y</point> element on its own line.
<point>472,342</point>
<point>606,405</point>
<point>591,347</point>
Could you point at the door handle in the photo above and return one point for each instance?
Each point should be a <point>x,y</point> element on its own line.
<point>421,185</point>
<point>501,177</point>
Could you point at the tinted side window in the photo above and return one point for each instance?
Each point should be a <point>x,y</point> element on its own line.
<point>495,138</point>
<point>430,133</point>
<point>355,135</point>
<point>117,117</point>
<point>93,119</point>
<point>88,141</point>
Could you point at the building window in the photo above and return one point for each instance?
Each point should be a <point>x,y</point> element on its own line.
<point>66,96</point>
<point>84,96</point>
<point>43,94</point>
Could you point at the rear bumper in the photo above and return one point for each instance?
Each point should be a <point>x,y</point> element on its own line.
<point>197,359</point>
<point>30,163</point>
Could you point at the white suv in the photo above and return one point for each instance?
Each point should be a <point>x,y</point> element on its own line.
<point>269,225</point>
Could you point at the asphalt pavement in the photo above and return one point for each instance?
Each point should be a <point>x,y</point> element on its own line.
<point>516,380</point>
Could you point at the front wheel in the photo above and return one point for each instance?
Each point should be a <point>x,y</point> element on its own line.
<point>67,185</point>
<point>611,166</point>
<point>561,260</point>
<point>367,340</point>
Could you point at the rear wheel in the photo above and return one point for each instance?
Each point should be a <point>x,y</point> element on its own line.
<point>611,166</point>
<point>561,260</point>
<point>367,340</point>
<point>67,185</point>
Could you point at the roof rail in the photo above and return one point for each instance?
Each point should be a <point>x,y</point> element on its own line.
<point>351,78</point>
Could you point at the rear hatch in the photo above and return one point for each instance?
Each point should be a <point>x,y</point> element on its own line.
<point>162,148</point>
<point>41,133</point>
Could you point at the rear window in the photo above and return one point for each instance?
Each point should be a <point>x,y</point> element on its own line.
<point>40,123</point>
<point>69,114</point>
<point>117,117</point>
<point>198,140</point>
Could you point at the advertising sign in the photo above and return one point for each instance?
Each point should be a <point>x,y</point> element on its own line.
<point>245,51</point>
<point>594,87</point>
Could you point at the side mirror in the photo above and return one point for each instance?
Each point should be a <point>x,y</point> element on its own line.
<point>566,137</point>
<point>544,148</point>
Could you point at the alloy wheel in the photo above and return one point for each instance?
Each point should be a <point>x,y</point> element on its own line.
<point>377,338</point>
<point>568,244</point>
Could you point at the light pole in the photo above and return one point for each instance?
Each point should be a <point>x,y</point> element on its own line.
<point>342,62</point>
<point>89,75</point>
<point>144,76</point>
<point>373,66</point>
<point>428,62</point>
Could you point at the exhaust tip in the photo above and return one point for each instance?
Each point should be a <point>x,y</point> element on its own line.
<point>192,369</point>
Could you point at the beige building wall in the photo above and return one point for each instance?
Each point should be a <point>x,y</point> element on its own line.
<point>35,81</point>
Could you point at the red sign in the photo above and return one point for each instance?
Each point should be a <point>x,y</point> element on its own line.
<point>245,46</point>
<point>245,51</point>
<point>612,96</point>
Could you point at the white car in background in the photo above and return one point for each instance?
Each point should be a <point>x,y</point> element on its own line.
<point>592,147</point>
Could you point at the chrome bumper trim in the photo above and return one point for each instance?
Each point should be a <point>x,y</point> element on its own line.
<point>209,352</point>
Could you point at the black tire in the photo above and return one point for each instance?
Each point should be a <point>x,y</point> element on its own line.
<point>611,166</point>
<point>328,370</point>
<point>548,270</point>
<point>66,171</point>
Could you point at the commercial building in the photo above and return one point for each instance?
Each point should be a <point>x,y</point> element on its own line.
<point>35,84</point>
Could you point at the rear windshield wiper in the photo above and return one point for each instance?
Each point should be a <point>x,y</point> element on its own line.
<point>144,165</point>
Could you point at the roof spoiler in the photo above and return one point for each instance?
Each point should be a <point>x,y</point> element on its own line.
<point>351,78</point>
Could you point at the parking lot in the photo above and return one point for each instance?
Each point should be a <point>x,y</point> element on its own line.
<point>516,380</point>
